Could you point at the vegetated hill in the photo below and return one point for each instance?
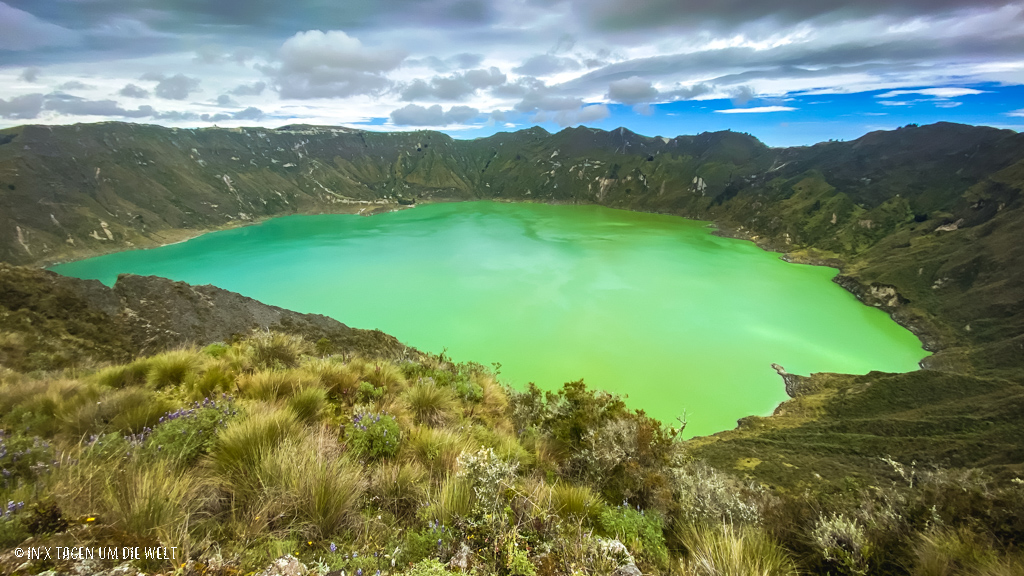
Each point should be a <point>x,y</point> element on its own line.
<point>50,322</point>
<point>926,222</point>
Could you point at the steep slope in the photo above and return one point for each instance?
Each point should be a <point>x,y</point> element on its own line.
<point>49,321</point>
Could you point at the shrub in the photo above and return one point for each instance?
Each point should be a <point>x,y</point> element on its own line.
<point>274,349</point>
<point>428,543</point>
<point>374,436</point>
<point>45,518</point>
<point>308,404</point>
<point>367,393</point>
<point>716,551</point>
<point>489,476</point>
<point>186,434</point>
<point>171,368</point>
<point>706,496</point>
<point>23,459</point>
<point>640,531</point>
<point>429,567</point>
<point>842,542</point>
<point>430,404</point>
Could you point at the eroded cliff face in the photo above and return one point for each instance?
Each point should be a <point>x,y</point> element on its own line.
<point>51,321</point>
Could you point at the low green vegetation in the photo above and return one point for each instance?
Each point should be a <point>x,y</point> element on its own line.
<point>241,453</point>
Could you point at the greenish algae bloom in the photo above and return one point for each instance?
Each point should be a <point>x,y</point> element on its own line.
<point>649,306</point>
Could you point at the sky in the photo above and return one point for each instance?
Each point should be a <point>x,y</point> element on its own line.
<point>791,72</point>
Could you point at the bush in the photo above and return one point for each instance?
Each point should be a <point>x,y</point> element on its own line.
<point>842,542</point>
<point>23,459</point>
<point>367,393</point>
<point>183,436</point>
<point>374,436</point>
<point>45,518</point>
<point>429,567</point>
<point>640,532</point>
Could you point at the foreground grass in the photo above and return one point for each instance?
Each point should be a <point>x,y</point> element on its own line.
<point>240,453</point>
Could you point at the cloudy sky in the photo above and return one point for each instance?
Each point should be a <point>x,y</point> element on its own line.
<point>787,71</point>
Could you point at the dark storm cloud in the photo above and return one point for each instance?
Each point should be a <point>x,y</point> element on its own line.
<point>133,91</point>
<point>645,14</point>
<point>415,115</point>
<point>23,107</point>
<point>454,87</point>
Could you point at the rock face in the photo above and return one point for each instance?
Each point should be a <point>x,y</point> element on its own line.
<point>795,384</point>
<point>49,321</point>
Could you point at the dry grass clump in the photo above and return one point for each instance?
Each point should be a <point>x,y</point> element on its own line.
<point>399,488</point>
<point>309,404</point>
<point>576,503</point>
<point>130,410</point>
<point>340,380</point>
<point>240,448</point>
<point>384,375</point>
<point>123,375</point>
<point>436,449</point>
<point>145,500</point>
<point>961,552</point>
<point>452,500</point>
<point>172,368</point>
<point>725,551</point>
<point>276,349</point>
<point>270,385</point>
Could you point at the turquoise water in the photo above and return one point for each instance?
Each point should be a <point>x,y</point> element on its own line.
<point>649,306</point>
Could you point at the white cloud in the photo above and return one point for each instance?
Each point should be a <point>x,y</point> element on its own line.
<point>947,92</point>
<point>332,64</point>
<point>1016,113</point>
<point>757,110</point>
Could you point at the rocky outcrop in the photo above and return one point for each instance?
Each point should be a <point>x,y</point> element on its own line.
<point>51,321</point>
<point>796,385</point>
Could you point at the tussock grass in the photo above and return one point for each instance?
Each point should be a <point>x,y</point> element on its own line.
<point>399,488</point>
<point>271,385</point>
<point>313,486</point>
<point>452,500</point>
<point>129,410</point>
<point>275,349</point>
<point>217,377</point>
<point>956,552</point>
<point>309,404</point>
<point>436,449</point>
<point>147,501</point>
<point>572,502</point>
<point>340,380</point>
<point>727,551</point>
<point>430,404</point>
<point>240,449</point>
<point>172,368</point>
<point>124,375</point>
<point>385,375</point>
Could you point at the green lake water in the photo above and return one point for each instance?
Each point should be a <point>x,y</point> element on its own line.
<point>649,306</point>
